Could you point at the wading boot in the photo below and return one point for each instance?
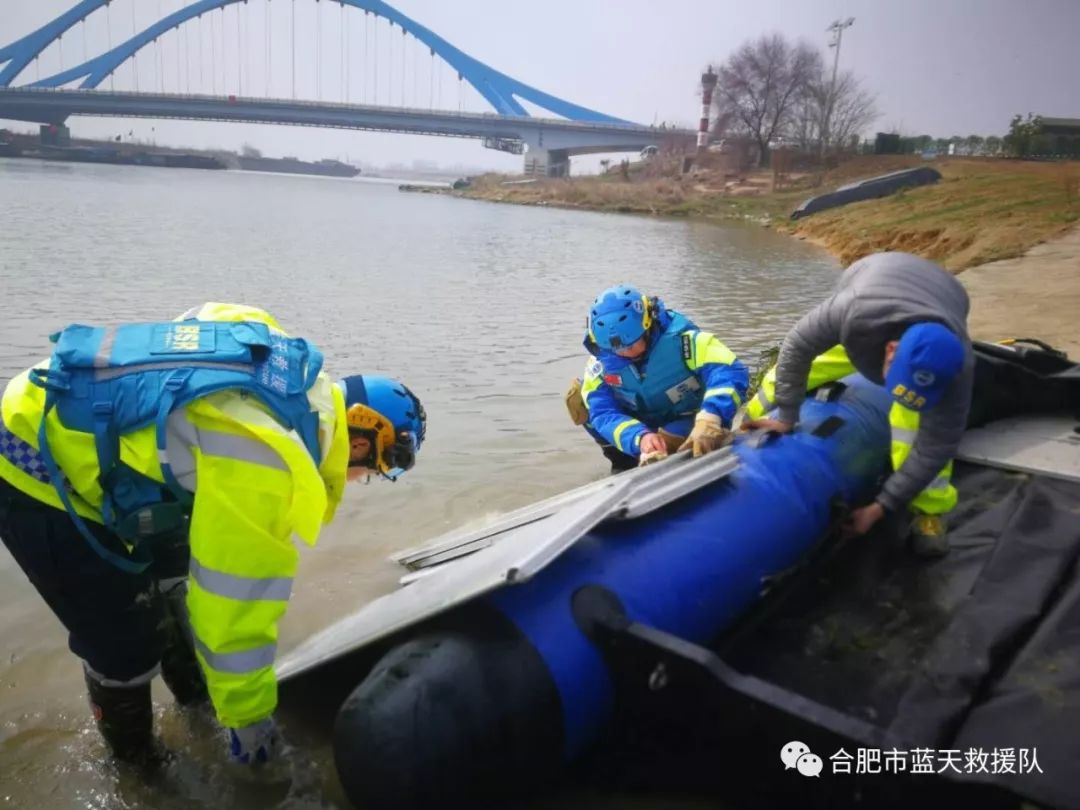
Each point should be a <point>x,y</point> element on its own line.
<point>125,718</point>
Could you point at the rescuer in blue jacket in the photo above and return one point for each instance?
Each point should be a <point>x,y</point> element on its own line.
<point>655,383</point>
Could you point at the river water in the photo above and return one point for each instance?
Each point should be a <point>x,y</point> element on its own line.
<point>479,307</point>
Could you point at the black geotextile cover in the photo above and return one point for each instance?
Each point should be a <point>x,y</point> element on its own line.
<point>979,650</point>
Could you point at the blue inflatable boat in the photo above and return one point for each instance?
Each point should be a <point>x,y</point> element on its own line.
<point>491,673</point>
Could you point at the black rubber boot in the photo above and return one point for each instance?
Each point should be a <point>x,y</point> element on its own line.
<point>125,718</point>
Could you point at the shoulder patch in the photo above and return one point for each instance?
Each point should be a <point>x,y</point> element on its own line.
<point>594,369</point>
<point>687,346</point>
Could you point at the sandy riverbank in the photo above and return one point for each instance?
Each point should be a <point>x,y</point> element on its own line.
<point>1034,295</point>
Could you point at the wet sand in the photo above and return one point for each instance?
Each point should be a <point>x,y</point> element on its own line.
<point>1036,295</point>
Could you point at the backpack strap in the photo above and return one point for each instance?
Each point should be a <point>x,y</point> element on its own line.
<point>107,447</point>
<point>311,360</point>
<point>174,384</point>
<point>308,424</point>
<point>124,563</point>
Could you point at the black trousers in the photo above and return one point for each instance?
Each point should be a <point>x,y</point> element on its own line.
<point>120,624</point>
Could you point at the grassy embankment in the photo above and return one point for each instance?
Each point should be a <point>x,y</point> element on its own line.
<point>982,210</point>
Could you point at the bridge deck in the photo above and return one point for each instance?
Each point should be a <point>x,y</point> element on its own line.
<point>45,105</point>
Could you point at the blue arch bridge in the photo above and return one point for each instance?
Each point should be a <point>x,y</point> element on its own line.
<point>546,141</point>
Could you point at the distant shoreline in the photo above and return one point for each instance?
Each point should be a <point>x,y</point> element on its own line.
<point>443,184</point>
<point>25,142</point>
<point>1008,228</point>
<point>982,210</point>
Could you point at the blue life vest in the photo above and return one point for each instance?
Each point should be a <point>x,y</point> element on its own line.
<point>665,388</point>
<point>110,382</point>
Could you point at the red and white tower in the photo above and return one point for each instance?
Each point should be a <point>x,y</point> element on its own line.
<point>708,84</point>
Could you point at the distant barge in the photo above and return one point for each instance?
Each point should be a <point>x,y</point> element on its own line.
<point>123,157</point>
<point>291,165</point>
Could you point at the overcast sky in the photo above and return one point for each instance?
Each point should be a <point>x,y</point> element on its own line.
<point>940,67</point>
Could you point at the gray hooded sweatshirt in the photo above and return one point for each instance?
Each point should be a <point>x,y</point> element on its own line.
<point>877,298</point>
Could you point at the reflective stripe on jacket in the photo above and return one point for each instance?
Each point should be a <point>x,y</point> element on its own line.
<point>939,496</point>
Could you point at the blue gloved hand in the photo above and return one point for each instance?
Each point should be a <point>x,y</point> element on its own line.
<point>253,744</point>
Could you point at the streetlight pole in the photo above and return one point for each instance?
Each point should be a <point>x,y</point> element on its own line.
<point>837,29</point>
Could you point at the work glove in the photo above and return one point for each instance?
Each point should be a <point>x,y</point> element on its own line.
<point>253,744</point>
<point>575,405</point>
<point>708,434</point>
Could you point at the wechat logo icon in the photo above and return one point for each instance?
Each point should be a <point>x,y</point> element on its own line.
<point>799,756</point>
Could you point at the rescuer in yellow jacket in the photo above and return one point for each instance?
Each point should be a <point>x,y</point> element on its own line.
<point>156,504</point>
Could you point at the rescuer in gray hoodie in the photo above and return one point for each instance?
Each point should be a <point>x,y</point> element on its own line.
<point>902,323</point>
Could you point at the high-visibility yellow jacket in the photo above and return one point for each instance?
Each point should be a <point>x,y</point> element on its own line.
<point>256,488</point>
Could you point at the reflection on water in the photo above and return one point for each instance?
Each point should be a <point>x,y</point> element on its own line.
<point>478,307</point>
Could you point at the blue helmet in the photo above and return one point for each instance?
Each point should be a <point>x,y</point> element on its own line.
<point>619,317</point>
<point>390,416</point>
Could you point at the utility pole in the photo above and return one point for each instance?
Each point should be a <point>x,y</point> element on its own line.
<point>837,29</point>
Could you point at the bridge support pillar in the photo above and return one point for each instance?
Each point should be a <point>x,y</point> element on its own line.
<point>540,162</point>
<point>54,135</point>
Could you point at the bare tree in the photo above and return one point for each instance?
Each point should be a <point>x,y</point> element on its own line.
<point>760,86</point>
<point>853,110</point>
<point>806,121</point>
<point>770,89</point>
